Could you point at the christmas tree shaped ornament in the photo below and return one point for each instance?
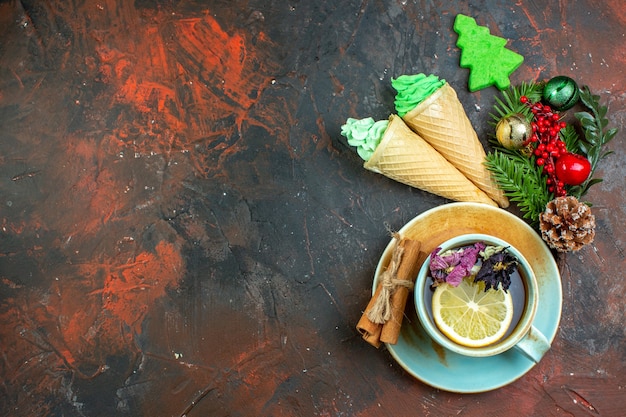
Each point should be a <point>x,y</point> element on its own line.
<point>486,56</point>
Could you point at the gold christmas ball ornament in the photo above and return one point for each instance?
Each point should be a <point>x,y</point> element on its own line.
<point>514,131</point>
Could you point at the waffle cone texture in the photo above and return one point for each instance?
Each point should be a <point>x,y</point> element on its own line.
<point>404,156</point>
<point>442,122</point>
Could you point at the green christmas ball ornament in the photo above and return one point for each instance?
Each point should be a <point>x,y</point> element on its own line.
<point>561,93</point>
<point>514,131</point>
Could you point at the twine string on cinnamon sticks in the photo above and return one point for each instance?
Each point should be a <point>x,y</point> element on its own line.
<point>382,319</point>
<point>381,311</point>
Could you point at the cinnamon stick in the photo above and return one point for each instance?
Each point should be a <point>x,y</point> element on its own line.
<point>369,330</point>
<point>407,271</point>
<point>410,265</point>
<point>407,259</point>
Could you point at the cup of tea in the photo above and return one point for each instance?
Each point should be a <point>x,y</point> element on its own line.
<point>519,282</point>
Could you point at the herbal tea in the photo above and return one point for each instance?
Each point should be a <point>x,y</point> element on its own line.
<point>479,295</point>
<point>459,315</point>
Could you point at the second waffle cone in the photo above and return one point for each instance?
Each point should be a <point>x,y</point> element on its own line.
<point>441,120</point>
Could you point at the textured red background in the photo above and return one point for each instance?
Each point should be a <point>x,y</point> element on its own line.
<point>185,233</point>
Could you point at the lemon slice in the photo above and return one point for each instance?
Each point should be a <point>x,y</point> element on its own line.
<point>471,316</point>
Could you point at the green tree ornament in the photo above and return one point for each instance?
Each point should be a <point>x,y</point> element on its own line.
<point>486,56</point>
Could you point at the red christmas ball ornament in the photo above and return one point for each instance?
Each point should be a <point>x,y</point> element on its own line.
<point>572,169</point>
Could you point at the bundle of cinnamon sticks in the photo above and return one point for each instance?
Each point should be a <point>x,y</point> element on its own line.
<point>382,319</point>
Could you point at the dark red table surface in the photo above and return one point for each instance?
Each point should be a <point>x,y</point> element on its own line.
<point>184,231</point>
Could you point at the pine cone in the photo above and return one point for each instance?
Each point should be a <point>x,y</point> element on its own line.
<point>567,224</point>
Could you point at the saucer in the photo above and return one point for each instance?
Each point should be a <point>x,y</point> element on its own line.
<point>438,367</point>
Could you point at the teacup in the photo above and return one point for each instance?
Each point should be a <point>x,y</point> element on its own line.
<point>521,335</point>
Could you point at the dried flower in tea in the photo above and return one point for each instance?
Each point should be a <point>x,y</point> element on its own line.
<point>497,268</point>
<point>453,265</point>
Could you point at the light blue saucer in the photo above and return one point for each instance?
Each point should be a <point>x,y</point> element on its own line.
<point>418,354</point>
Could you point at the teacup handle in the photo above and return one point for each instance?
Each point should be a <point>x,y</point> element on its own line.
<point>534,345</point>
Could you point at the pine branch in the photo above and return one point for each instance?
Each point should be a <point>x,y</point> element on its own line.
<point>510,102</point>
<point>516,172</point>
<point>570,137</point>
<point>520,179</point>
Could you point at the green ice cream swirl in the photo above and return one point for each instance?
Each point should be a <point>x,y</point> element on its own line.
<point>413,89</point>
<point>364,134</point>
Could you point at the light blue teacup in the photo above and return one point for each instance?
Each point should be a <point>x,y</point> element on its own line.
<point>522,335</point>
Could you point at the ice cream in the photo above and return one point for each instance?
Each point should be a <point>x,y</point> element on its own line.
<point>431,108</point>
<point>413,89</point>
<point>364,134</point>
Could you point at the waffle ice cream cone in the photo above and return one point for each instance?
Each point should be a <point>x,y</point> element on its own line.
<point>441,120</point>
<point>404,156</point>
